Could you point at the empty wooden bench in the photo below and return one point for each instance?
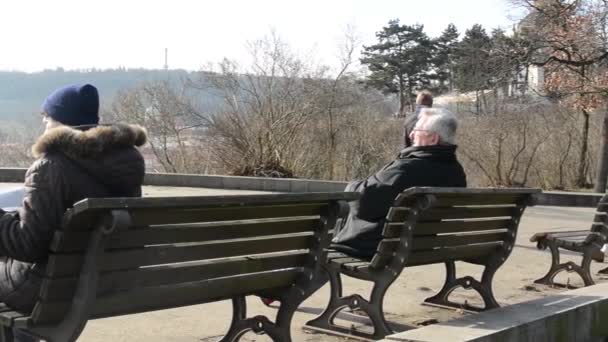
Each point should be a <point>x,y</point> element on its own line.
<point>428,226</point>
<point>120,256</point>
<point>586,242</point>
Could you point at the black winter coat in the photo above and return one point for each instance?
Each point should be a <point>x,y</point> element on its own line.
<point>71,165</point>
<point>416,166</point>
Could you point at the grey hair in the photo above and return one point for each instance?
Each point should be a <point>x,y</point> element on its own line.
<point>442,122</point>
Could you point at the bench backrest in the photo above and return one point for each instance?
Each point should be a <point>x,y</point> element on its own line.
<point>432,225</point>
<point>600,220</point>
<point>173,252</point>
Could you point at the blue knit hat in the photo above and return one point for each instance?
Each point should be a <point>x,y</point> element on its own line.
<point>73,105</point>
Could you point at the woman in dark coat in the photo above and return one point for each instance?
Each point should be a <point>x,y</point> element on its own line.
<point>76,159</point>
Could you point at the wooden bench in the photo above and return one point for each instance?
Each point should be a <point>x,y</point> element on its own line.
<point>427,226</point>
<point>120,256</point>
<point>586,242</point>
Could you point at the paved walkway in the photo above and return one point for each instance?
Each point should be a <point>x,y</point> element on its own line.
<point>512,284</point>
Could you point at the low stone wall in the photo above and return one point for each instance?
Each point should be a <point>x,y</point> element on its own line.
<point>551,198</point>
<point>569,199</point>
<point>577,315</point>
<point>12,175</point>
<point>243,183</point>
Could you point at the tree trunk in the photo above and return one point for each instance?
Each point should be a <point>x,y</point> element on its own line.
<point>402,99</point>
<point>581,179</point>
<point>602,160</point>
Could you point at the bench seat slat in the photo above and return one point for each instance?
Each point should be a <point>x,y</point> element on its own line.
<point>58,289</point>
<point>69,264</point>
<point>356,266</point>
<point>172,296</point>
<point>451,253</point>
<point>558,235</point>
<point>197,232</point>
<point>7,317</point>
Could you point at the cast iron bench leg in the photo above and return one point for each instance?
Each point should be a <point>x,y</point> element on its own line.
<point>373,308</point>
<point>484,288</point>
<point>583,270</point>
<point>258,324</point>
<point>278,331</point>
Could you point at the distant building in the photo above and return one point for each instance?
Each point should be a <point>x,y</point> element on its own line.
<point>527,81</point>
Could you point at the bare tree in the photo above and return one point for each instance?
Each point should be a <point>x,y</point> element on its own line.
<point>174,125</point>
<point>264,109</point>
<point>568,39</point>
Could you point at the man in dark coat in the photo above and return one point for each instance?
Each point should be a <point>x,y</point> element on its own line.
<point>423,100</point>
<point>431,161</point>
<point>77,159</point>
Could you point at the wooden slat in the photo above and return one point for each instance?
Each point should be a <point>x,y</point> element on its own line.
<point>380,260</point>
<point>185,202</point>
<point>68,264</point>
<point>448,200</point>
<point>7,317</point>
<point>162,297</point>
<point>600,217</point>
<point>568,235</point>
<point>4,308</point>
<point>481,191</point>
<point>397,214</point>
<point>388,246</point>
<point>600,227</point>
<point>465,213</point>
<point>478,199</point>
<point>150,216</point>
<point>393,229</point>
<point>553,235</point>
<point>451,253</point>
<point>344,260</point>
<point>430,242</point>
<point>430,228</point>
<point>77,241</point>
<point>58,289</point>
<point>355,266</point>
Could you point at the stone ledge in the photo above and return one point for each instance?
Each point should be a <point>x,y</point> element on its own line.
<point>243,183</point>
<point>577,315</point>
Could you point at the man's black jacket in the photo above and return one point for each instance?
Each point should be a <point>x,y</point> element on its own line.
<point>416,166</point>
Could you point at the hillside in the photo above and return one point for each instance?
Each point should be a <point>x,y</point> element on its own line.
<point>21,94</point>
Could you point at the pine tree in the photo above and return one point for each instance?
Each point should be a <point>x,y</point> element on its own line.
<point>444,58</point>
<point>400,62</point>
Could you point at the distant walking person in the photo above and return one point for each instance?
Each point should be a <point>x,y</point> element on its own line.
<point>77,159</point>
<point>423,100</point>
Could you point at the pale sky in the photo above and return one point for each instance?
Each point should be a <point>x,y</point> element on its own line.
<point>82,34</point>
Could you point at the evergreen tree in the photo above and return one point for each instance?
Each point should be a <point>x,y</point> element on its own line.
<point>444,58</point>
<point>400,62</point>
<point>472,56</point>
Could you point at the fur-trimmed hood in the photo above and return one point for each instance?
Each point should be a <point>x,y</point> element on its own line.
<point>106,153</point>
<point>90,143</point>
